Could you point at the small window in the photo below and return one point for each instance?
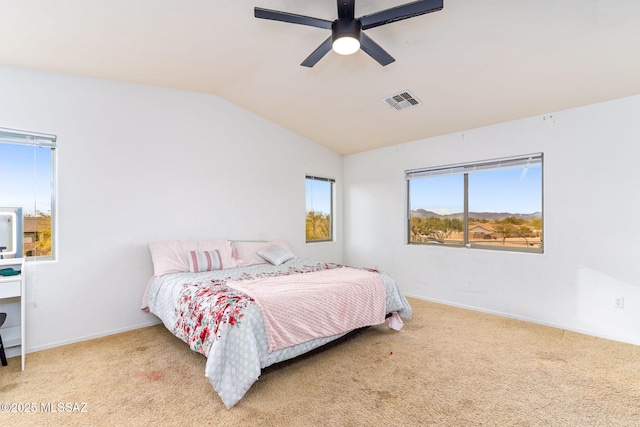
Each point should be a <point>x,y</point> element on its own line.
<point>319,220</point>
<point>495,204</point>
<point>27,185</point>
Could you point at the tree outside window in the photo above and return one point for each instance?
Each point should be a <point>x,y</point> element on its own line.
<point>319,212</point>
<point>494,204</point>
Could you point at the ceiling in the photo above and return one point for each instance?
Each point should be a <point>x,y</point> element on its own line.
<point>474,63</point>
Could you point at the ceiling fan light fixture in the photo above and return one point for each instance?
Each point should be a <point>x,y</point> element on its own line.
<point>346,45</point>
<point>345,36</point>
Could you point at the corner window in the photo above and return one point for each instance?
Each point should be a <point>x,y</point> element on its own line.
<point>26,194</point>
<point>319,219</point>
<point>494,204</point>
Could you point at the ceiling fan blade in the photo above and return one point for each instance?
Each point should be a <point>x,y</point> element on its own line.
<point>291,18</point>
<point>346,9</point>
<point>317,54</point>
<point>374,50</point>
<point>401,12</point>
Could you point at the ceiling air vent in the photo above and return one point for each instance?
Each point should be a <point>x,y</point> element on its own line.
<point>402,100</point>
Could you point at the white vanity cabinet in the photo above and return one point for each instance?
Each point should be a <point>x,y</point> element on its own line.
<point>12,289</point>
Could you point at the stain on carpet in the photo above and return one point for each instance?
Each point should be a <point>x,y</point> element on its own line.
<point>8,387</point>
<point>152,377</point>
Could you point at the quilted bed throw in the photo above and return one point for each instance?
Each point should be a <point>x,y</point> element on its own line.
<point>301,307</point>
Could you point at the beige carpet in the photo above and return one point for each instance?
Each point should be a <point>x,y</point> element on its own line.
<point>447,367</point>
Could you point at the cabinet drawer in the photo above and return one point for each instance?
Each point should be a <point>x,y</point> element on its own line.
<point>9,289</point>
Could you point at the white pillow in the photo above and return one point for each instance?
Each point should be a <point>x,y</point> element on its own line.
<point>275,254</point>
<point>246,253</point>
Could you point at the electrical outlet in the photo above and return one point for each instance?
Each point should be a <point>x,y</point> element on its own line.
<point>618,302</point>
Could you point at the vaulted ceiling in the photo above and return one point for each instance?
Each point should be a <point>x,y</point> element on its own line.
<point>474,63</point>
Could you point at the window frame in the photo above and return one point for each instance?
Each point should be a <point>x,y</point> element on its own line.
<point>465,169</point>
<point>332,182</point>
<point>35,139</point>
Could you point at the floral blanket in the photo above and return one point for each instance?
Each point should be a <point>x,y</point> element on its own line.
<point>204,307</point>
<point>227,326</point>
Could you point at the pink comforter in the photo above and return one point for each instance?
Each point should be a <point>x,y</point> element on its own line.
<point>302,307</point>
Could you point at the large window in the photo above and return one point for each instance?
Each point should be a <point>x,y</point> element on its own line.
<point>27,173</point>
<point>319,221</point>
<point>494,204</point>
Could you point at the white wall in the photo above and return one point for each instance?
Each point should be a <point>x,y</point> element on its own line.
<point>591,205</point>
<point>136,164</point>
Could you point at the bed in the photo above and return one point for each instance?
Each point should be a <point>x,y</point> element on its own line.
<point>248,305</point>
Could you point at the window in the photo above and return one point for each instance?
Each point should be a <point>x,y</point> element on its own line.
<point>494,204</point>
<point>319,221</point>
<point>27,173</point>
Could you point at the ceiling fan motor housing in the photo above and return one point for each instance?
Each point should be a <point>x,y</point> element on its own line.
<point>346,28</point>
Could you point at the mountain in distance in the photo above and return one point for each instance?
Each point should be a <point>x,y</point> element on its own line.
<point>490,216</point>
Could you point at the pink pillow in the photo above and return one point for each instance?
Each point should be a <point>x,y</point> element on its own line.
<point>246,253</point>
<point>172,256</point>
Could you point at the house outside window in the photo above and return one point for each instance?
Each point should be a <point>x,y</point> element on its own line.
<point>493,204</point>
<point>319,212</point>
<point>27,173</point>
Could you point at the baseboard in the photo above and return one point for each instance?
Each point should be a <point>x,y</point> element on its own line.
<point>16,350</point>
<point>526,319</point>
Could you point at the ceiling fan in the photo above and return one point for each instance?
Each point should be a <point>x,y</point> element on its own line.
<point>347,34</point>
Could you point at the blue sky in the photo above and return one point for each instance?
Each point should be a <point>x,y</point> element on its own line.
<point>506,190</point>
<point>318,196</point>
<point>25,177</point>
